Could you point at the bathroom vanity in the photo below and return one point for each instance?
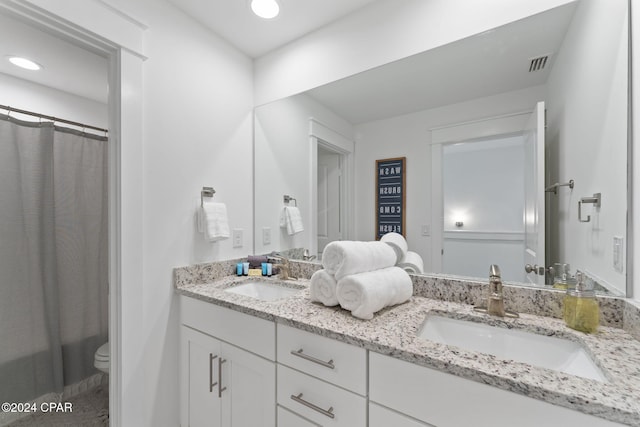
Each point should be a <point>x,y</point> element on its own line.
<point>263,361</point>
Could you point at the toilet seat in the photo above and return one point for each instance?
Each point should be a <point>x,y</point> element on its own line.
<point>102,358</point>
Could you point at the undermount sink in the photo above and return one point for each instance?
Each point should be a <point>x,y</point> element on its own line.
<point>511,344</point>
<point>263,290</point>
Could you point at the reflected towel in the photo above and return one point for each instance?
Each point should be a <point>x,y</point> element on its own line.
<point>412,263</point>
<point>214,221</point>
<point>398,243</point>
<point>291,219</point>
<point>323,288</point>
<point>366,293</point>
<point>342,258</point>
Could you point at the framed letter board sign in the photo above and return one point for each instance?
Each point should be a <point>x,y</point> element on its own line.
<point>390,196</point>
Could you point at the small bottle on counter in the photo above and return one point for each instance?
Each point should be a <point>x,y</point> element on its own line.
<point>239,269</point>
<point>581,310</point>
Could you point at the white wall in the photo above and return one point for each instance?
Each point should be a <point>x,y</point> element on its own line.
<point>283,166</point>
<point>382,32</point>
<point>589,77</point>
<point>409,136</point>
<point>197,132</point>
<point>30,96</point>
<point>635,160</point>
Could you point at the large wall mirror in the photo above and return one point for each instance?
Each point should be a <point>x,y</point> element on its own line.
<point>515,141</point>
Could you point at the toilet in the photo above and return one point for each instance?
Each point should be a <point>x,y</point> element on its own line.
<point>101,359</point>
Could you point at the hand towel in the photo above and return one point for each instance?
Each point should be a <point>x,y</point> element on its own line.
<point>412,263</point>
<point>214,221</point>
<point>344,257</point>
<point>323,288</point>
<point>366,293</point>
<point>291,219</point>
<point>398,243</point>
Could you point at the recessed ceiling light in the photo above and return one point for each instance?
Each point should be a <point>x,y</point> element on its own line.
<point>25,63</point>
<point>266,9</point>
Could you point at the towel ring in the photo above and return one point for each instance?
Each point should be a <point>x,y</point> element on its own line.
<point>206,192</point>
<point>288,199</point>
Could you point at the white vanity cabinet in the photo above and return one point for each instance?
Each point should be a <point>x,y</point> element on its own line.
<point>445,400</point>
<point>321,381</point>
<point>227,368</point>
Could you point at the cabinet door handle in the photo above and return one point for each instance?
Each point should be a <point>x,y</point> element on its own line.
<point>220,388</point>
<point>211,383</point>
<point>301,354</point>
<point>326,412</point>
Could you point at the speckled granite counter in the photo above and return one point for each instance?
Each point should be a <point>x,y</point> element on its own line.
<point>393,331</point>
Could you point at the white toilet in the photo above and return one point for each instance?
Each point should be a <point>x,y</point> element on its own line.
<point>101,359</point>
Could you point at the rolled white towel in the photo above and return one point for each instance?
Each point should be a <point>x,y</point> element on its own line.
<point>412,263</point>
<point>366,293</point>
<point>398,243</point>
<point>323,288</point>
<point>345,257</point>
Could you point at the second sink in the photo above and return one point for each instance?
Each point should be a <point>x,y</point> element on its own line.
<point>511,344</point>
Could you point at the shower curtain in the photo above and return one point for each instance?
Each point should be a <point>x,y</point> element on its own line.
<point>53,257</point>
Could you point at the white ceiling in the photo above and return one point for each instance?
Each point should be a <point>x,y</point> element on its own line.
<point>494,62</point>
<point>66,66</point>
<point>234,20</point>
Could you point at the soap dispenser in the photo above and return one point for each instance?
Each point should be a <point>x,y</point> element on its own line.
<point>581,311</point>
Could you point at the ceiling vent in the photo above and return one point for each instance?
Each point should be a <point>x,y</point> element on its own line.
<point>538,63</point>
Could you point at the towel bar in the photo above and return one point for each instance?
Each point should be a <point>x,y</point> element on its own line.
<point>288,199</point>
<point>206,192</point>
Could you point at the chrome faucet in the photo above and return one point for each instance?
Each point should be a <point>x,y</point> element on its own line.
<point>283,266</point>
<point>495,300</point>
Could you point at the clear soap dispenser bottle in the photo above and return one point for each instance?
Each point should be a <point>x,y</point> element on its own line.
<point>581,311</point>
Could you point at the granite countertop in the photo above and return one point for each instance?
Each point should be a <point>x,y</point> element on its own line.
<point>393,331</point>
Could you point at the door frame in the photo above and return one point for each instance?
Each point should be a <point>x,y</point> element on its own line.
<point>331,140</point>
<point>469,131</point>
<point>118,37</point>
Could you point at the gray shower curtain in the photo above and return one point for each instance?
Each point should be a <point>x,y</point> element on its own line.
<point>53,257</point>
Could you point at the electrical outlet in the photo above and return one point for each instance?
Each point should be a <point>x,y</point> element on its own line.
<point>618,253</point>
<point>266,235</point>
<point>237,237</point>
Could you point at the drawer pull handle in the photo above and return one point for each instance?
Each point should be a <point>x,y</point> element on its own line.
<point>300,353</point>
<point>211,383</point>
<point>326,412</point>
<point>220,388</point>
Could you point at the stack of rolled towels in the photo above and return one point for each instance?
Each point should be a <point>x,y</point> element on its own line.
<point>363,277</point>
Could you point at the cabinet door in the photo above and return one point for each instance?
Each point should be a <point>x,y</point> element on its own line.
<point>200,404</point>
<point>248,389</point>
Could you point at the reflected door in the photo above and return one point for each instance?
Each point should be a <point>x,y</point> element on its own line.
<point>329,193</point>
<point>534,218</point>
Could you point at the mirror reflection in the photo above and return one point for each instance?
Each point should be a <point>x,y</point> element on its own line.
<point>493,128</point>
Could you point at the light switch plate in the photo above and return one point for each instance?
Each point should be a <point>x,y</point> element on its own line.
<point>237,237</point>
<point>266,235</point>
<point>426,230</point>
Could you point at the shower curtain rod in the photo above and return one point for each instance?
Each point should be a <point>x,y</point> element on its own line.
<point>54,119</point>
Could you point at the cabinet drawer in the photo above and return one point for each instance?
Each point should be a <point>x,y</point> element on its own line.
<point>242,330</point>
<point>333,361</point>
<point>286,418</point>
<point>437,398</point>
<point>318,401</point>
<point>383,417</point>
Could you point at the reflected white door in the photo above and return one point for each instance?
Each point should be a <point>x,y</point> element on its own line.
<point>329,194</point>
<point>534,205</point>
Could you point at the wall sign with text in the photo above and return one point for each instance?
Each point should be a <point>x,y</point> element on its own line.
<point>390,196</point>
